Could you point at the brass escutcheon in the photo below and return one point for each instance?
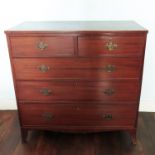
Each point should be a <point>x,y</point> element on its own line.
<point>111,46</point>
<point>42,46</point>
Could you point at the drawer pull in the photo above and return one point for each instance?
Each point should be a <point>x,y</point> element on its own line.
<point>111,46</point>
<point>108,116</point>
<point>110,68</point>
<point>45,91</point>
<point>42,46</point>
<point>47,116</point>
<point>109,91</point>
<point>43,68</point>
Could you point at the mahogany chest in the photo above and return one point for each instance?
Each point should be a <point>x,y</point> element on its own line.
<point>77,76</point>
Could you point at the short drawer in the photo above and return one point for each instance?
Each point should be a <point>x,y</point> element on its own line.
<point>42,46</point>
<point>77,115</point>
<point>99,46</point>
<point>107,91</point>
<point>76,68</point>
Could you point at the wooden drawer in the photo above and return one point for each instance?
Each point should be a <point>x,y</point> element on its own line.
<point>42,46</point>
<point>108,91</point>
<point>77,115</point>
<point>77,68</point>
<point>100,46</point>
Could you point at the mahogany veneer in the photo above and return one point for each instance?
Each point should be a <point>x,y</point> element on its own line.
<point>76,68</point>
<point>77,76</point>
<point>125,90</point>
<point>57,46</point>
<point>77,115</point>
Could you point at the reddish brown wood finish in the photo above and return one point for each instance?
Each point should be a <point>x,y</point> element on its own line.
<point>77,68</point>
<point>77,115</point>
<point>76,76</point>
<point>126,90</point>
<point>50,143</point>
<point>96,46</point>
<point>28,46</point>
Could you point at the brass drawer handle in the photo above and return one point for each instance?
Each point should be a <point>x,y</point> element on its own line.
<point>42,46</point>
<point>45,91</point>
<point>111,46</point>
<point>47,116</point>
<point>43,68</point>
<point>110,68</point>
<point>108,117</point>
<point>109,91</point>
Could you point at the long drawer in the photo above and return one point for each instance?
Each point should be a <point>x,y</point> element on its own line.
<point>76,68</point>
<point>42,46</point>
<point>111,45</point>
<point>61,115</point>
<point>108,91</point>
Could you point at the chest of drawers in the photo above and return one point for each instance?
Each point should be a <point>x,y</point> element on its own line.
<point>77,76</point>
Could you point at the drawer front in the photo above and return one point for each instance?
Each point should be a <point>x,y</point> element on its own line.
<point>42,46</point>
<point>108,91</point>
<point>99,46</point>
<point>80,68</point>
<point>80,115</point>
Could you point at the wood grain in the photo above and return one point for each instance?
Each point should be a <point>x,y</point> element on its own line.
<point>52,143</point>
<point>77,68</point>
<point>77,115</point>
<point>82,91</point>
<point>56,46</point>
<point>96,46</point>
<point>76,54</point>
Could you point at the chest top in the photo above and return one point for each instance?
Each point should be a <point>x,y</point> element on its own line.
<point>80,26</point>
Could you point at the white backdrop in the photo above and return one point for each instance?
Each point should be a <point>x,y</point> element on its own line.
<point>16,11</point>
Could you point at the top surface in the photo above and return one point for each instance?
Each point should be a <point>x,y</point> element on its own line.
<point>79,26</point>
